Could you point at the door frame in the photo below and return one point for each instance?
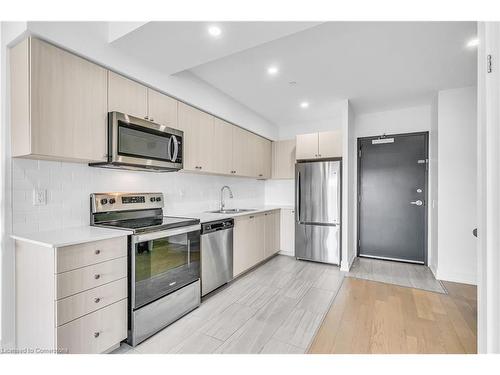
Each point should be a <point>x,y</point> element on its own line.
<point>426,189</point>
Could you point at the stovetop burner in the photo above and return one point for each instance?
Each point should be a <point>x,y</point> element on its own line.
<point>138,212</point>
<point>151,224</point>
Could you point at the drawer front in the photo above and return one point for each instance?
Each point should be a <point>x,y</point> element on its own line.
<point>72,257</point>
<point>80,304</point>
<point>96,332</point>
<point>76,281</point>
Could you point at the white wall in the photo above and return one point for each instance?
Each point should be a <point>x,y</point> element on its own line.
<point>433,188</point>
<point>289,131</point>
<point>69,185</point>
<point>457,155</point>
<point>397,121</point>
<point>280,192</point>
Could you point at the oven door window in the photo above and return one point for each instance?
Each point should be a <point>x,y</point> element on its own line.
<point>164,265</point>
<point>142,142</point>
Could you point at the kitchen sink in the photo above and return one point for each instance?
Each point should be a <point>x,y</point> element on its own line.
<point>232,211</point>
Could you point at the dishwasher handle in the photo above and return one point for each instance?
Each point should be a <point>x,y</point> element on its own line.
<point>215,226</point>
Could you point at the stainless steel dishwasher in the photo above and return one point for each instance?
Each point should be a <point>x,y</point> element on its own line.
<point>216,254</point>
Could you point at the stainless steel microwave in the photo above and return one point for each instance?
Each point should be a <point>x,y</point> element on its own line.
<point>138,144</point>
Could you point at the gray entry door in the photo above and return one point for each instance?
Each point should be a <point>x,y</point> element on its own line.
<point>392,187</point>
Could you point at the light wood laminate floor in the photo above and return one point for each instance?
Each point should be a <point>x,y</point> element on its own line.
<point>276,308</point>
<point>399,273</point>
<point>375,317</point>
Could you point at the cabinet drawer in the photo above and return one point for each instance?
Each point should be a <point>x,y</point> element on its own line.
<point>96,332</point>
<point>75,256</point>
<point>80,304</point>
<point>76,281</point>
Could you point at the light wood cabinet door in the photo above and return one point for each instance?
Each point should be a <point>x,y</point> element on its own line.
<point>330,144</point>
<point>307,146</point>
<point>162,109</point>
<point>198,130</point>
<point>242,150</point>
<point>96,332</point>
<point>259,250</point>
<point>243,243</point>
<point>81,279</point>
<point>223,147</point>
<point>272,232</point>
<point>287,231</point>
<point>283,159</point>
<point>264,158</point>
<point>127,96</point>
<point>59,104</point>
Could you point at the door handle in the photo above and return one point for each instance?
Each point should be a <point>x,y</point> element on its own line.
<point>297,197</point>
<point>417,202</point>
<point>474,232</point>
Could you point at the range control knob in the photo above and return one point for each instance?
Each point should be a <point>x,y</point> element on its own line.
<point>104,201</point>
<point>158,199</point>
<point>112,200</point>
<point>152,199</point>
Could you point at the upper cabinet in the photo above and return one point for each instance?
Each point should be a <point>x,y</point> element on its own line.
<point>319,145</point>
<point>162,109</point>
<point>223,147</point>
<point>283,159</point>
<point>127,96</point>
<point>263,157</point>
<point>330,144</point>
<point>58,104</point>
<point>198,128</point>
<point>132,98</point>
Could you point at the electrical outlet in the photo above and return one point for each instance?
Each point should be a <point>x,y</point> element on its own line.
<point>39,197</point>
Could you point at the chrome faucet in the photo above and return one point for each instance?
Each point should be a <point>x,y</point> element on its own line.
<point>222,204</point>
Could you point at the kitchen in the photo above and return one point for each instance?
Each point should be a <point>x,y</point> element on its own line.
<point>154,222</point>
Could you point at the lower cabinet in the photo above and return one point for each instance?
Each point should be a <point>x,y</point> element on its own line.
<point>272,233</point>
<point>68,300</point>
<point>95,332</point>
<point>287,231</point>
<point>256,237</point>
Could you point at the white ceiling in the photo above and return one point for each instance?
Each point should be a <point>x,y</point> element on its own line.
<point>376,65</point>
<point>172,47</point>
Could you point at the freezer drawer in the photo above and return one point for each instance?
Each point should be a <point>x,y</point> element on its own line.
<point>320,243</point>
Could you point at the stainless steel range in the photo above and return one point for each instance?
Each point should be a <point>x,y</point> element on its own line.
<point>163,258</point>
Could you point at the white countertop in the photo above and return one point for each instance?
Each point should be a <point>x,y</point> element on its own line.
<point>205,217</point>
<point>73,236</point>
<point>70,236</point>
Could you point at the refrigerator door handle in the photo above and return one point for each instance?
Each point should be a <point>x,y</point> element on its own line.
<point>297,197</point>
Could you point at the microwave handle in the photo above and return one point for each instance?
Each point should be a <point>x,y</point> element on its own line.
<point>173,155</point>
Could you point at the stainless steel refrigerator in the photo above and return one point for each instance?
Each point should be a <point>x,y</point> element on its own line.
<point>318,211</point>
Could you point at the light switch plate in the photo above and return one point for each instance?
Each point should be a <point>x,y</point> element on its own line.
<point>39,197</point>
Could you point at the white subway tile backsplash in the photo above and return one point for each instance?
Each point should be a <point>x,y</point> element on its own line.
<point>69,186</point>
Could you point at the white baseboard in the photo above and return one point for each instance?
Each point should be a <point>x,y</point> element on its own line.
<point>287,253</point>
<point>456,277</point>
<point>433,270</point>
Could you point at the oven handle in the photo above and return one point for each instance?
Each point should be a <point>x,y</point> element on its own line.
<point>165,233</point>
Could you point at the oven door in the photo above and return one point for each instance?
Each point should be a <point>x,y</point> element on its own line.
<point>139,142</point>
<point>163,262</point>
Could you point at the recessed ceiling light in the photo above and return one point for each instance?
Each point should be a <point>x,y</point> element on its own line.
<point>304,105</point>
<point>473,43</point>
<point>272,70</point>
<point>215,31</point>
